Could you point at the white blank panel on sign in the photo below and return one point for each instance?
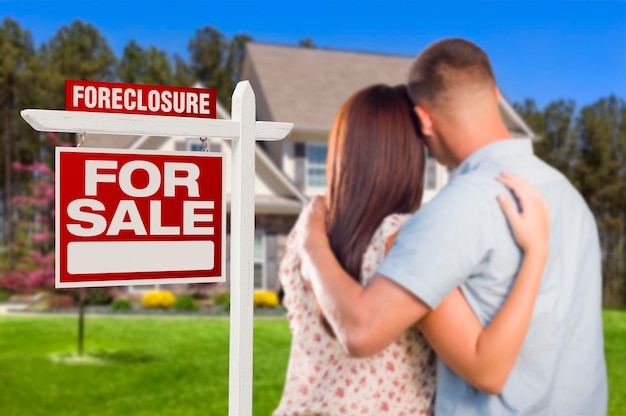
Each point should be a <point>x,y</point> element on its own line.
<point>139,256</point>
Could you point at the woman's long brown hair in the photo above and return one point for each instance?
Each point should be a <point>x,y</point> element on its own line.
<point>375,167</point>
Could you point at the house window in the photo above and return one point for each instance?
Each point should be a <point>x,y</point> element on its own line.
<point>195,145</point>
<point>259,260</point>
<point>316,165</point>
<point>430,173</point>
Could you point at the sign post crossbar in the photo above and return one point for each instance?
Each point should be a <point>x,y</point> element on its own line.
<point>244,130</point>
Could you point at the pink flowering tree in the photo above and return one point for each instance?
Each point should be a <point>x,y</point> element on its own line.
<point>34,247</point>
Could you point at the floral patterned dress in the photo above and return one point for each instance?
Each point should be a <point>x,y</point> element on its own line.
<point>322,379</point>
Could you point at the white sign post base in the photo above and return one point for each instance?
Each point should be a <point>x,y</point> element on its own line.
<point>244,130</point>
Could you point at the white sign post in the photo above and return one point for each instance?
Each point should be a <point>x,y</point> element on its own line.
<point>243,130</point>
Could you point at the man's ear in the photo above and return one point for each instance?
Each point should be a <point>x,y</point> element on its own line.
<point>425,119</point>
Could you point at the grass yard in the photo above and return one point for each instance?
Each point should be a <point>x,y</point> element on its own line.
<point>615,347</point>
<point>167,366</point>
<point>156,366</point>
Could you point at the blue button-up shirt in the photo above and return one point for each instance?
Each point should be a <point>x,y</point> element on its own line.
<point>461,238</point>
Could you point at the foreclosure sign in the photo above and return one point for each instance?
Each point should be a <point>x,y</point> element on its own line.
<point>112,97</point>
<point>128,217</point>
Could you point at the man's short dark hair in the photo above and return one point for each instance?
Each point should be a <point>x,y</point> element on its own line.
<point>446,65</point>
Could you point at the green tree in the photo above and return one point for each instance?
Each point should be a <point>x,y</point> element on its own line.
<point>132,64</point>
<point>17,54</point>
<point>589,147</point>
<point>600,175</point>
<point>182,72</point>
<point>145,66</point>
<point>77,51</point>
<point>307,43</point>
<point>80,52</point>
<point>158,68</point>
<point>216,61</point>
<point>234,59</point>
<point>553,124</point>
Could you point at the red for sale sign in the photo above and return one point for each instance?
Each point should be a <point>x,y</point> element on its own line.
<point>128,217</point>
<point>114,97</point>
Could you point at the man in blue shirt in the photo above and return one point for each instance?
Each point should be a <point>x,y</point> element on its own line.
<point>461,239</point>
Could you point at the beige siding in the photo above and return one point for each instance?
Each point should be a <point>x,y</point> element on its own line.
<point>275,152</point>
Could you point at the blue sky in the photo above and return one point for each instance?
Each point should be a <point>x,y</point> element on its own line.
<point>544,50</point>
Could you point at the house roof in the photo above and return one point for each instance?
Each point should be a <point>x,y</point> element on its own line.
<point>307,86</point>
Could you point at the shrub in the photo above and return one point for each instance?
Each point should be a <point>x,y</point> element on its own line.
<point>96,296</point>
<point>4,296</point>
<point>186,303</point>
<point>121,305</point>
<point>221,298</point>
<point>99,297</point>
<point>265,299</point>
<point>158,299</point>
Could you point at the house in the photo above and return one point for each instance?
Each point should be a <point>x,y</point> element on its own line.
<point>307,87</point>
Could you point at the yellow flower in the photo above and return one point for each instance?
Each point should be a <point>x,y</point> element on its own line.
<point>265,299</point>
<point>158,299</point>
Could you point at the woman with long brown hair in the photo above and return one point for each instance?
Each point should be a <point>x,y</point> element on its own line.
<point>375,171</point>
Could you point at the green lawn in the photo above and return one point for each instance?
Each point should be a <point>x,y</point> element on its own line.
<point>615,347</point>
<point>167,366</point>
<point>157,366</point>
